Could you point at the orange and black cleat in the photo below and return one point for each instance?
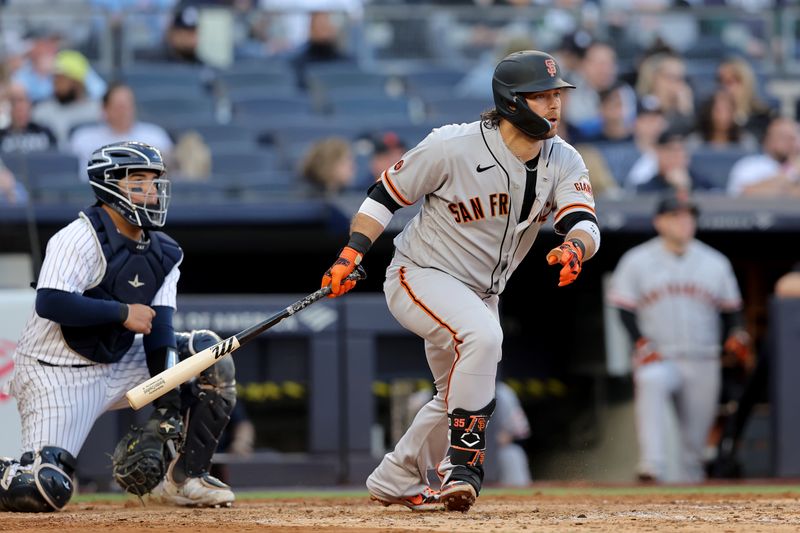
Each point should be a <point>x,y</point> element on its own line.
<point>418,502</point>
<point>457,496</point>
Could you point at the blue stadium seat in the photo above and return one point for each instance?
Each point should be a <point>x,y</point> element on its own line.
<point>229,164</point>
<point>384,107</point>
<point>620,158</point>
<point>457,109</point>
<point>266,107</point>
<point>192,192</point>
<point>323,80</point>
<point>42,168</point>
<point>714,165</point>
<point>141,75</point>
<point>280,82</point>
<point>221,133</point>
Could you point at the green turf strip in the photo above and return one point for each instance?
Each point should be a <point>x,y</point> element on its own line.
<point>242,495</point>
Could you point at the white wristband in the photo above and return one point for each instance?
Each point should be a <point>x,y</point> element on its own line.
<point>591,228</point>
<point>377,211</point>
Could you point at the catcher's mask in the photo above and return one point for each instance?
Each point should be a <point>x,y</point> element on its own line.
<point>111,164</point>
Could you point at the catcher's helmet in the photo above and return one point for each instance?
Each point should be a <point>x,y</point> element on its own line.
<point>114,162</point>
<point>190,343</point>
<point>529,71</point>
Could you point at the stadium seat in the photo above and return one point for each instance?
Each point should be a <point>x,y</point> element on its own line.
<point>384,107</point>
<point>714,165</point>
<point>265,107</point>
<point>229,164</point>
<point>42,168</point>
<point>457,109</point>
<point>620,158</point>
<point>220,133</point>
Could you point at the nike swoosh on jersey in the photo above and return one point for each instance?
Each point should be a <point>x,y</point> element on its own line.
<point>479,168</point>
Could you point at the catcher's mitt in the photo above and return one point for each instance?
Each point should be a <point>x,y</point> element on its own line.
<point>140,459</point>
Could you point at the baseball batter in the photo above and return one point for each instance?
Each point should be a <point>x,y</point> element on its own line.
<point>671,292</point>
<point>487,188</point>
<point>102,324</point>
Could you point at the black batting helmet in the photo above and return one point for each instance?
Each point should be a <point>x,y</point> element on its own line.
<point>529,71</point>
<point>114,162</point>
<point>195,341</point>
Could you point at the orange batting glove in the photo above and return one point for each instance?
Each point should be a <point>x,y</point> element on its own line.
<point>736,349</point>
<point>644,353</point>
<point>343,267</point>
<point>569,254</point>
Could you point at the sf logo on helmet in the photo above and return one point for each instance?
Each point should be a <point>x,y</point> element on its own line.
<point>551,67</point>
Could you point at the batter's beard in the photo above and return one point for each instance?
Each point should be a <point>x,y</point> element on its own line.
<point>549,135</point>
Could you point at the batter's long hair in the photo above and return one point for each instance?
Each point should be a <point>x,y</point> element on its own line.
<point>490,118</point>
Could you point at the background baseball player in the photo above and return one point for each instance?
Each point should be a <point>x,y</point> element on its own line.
<point>102,323</point>
<point>487,188</point>
<point>671,292</point>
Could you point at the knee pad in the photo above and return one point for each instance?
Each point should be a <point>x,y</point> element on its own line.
<point>468,443</point>
<point>37,483</point>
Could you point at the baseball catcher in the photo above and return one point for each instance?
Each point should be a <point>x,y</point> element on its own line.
<point>170,456</point>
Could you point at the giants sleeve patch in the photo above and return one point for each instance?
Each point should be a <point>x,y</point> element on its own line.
<point>584,186</point>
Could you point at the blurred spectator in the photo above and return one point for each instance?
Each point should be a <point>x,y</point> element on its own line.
<point>180,39</point>
<point>119,124</point>
<point>11,191</point>
<point>597,72</point>
<point>37,71</point>
<point>387,149</point>
<point>323,46</point>
<point>192,158</point>
<point>649,124</point>
<point>717,126</point>
<point>22,135</point>
<point>672,173</point>
<point>70,105</point>
<point>737,77</point>
<point>328,167</point>
<point>663,76</point>
<point>775,172</point>
<point>616,115</point>
<point>477,83</point>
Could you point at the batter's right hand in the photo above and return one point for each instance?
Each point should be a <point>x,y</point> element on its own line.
<point>140,318</point>
<point>343,267</point>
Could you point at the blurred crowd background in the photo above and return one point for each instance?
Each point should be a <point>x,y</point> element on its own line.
<point>253,97</point>
<point>285,104</point>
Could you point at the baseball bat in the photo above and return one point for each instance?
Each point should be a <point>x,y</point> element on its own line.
<point>160,384</point>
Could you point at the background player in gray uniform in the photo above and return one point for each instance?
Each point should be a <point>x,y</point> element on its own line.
<point>487,188</point>
<point>102,323</point>
<point>676,296</point>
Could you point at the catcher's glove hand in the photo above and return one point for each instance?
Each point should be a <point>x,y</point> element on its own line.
<point>140,459</point>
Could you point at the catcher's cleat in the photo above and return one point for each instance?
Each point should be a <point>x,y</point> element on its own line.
<point>418,502</point>
<point>457,496</point>
<point>200,491</point>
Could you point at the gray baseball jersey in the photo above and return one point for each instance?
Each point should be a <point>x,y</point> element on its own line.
<point>453,260</point>
<point>473,186</point>
<point>677,299</point>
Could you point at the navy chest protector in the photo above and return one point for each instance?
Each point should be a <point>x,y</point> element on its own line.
<point>134,274</point>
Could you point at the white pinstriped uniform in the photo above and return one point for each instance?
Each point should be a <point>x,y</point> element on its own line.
<point>677,301</point>
<point>58,405</point>
<point>453,260</point>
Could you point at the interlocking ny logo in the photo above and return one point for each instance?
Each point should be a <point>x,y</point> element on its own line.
<point>551,67</point>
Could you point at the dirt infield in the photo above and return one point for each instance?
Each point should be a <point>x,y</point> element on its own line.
<point>724,510</point>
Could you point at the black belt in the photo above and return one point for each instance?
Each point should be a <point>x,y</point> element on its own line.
<point>45,363</point>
